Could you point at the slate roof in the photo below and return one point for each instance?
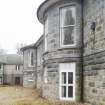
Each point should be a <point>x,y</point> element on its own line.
<point>44,7</point>
<point>28,47</point>
<point>11,59</point>
<point>39,40</point>
<point>34,45</point>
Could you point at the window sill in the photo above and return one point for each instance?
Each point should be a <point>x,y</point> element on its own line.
<point>46,52</point>
<point>67,47</point>
<point>62,48</point>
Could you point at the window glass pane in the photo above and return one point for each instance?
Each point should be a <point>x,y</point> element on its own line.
<point>63,77</point>
<point>68,35</point>
<point>63,91</point>
<point>70,78</point>
<point>46,26</point>
<point>18,67</point>
<point>32,62</point>
<point>70,91</point>
<point>67,15</point>
<point>0,66</point>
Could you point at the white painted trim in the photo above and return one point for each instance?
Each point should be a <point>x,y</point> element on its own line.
<point>70,45</point>
<point>29,59</point>
<point>61,69</point>
<point>46,25</point>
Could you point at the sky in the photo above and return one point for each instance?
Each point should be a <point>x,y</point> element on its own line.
<point>19,23</point>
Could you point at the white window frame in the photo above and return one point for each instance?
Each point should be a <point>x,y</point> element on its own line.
<point>62,69</point>
<point>17,67</point>
<point>29,59</point>
<point>61,36</point>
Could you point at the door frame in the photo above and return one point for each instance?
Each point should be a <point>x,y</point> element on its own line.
<point>17,80</point>
<point>60,84</point>
<point>1,78</point>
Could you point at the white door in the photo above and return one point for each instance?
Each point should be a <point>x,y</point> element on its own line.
<point>67,81</point>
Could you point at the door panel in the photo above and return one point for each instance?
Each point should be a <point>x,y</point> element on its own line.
<point>63,91</point>
<point>70,77</point>
<point>70,91</point>
<point>63,77</point>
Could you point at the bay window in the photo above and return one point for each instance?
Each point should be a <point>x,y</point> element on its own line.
<point>67,26</point>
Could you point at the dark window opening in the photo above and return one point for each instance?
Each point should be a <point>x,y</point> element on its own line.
<point>32,60</point>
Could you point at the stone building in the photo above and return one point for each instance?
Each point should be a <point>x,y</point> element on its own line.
<point>62,55</point>
<point>29,62</point>
<point>72,54</point>
<point>32,63</point>
<point>11,69</point>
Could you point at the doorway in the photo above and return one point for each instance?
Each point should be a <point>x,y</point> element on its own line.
<point>67,81</point>
<point>1,80</point>
<point>17,80</point>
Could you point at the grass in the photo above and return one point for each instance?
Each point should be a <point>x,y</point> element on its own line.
<point>25,96</point>
<point>45,102</point>
<point>30,102</point>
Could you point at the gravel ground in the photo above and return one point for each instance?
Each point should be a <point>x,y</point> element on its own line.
<point>25,96</point>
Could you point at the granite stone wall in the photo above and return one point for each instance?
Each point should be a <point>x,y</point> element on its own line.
<point>94,78</point>
<point>39,76</point>
<point>94,52</point>
<point>39,66</point>
<point>94,11</point>
<point>29,79</point>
